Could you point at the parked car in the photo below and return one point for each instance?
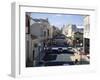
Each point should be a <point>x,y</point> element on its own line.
<point>58,46</point>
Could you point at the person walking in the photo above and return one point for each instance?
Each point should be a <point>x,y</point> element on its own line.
<point>77,56</point>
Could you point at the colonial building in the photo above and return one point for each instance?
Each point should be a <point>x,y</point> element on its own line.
<point>41,28</point>
<point>86,34</point>
<point>56,31</point>
<point>86,27</point>
<point>69,30</point>
<point>37,31</point>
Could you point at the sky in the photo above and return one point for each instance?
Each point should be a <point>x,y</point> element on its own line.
<point>59,20</point>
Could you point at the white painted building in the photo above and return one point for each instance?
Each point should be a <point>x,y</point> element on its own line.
<point>69,30</point>
<point>41,28</point>
<point>86,27</point>
<point>36,31</point>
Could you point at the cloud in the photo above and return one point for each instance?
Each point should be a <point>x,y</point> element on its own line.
<point>58,15</point>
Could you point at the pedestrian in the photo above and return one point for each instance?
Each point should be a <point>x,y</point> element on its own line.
<point>76,56</point>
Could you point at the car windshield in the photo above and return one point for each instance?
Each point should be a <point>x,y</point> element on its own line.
<point>60,36</point>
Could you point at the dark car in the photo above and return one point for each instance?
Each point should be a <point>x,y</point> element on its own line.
<point>56,48</point>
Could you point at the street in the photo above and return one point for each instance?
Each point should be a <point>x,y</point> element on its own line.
<point>60,53</point>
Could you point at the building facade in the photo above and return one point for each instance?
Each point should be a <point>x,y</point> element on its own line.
<point>69,30</point>
<point>86,27</point>
<point>41,28</point>
<point>37,32</point>
<point>86,34</point>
